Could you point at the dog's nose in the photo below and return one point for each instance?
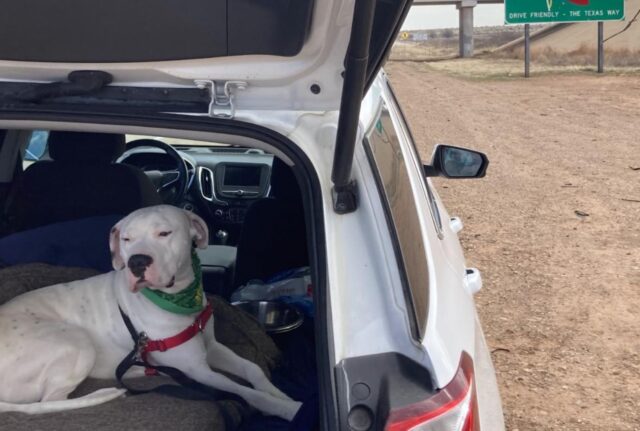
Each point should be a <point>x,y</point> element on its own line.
<point>138,263</point>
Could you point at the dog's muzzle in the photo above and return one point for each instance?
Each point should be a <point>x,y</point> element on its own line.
<point>138,264</point>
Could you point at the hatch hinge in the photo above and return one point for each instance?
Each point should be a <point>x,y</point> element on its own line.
<point>345,198</point>
<point>222,94</point>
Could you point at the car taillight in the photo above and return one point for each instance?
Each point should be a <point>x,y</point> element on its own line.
<point>453,408</point>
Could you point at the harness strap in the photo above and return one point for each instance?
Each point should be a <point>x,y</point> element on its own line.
<point>184,336</point>
<point>138,357</point>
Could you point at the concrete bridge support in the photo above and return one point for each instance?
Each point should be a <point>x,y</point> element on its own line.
<point>465,8</point>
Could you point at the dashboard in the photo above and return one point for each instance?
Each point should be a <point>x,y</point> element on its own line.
<point>222,182</point>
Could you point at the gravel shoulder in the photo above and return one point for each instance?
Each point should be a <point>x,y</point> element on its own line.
<point>555,230</point>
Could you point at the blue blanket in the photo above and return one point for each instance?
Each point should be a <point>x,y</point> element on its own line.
<point>81,243</point>
<point>297,377</point>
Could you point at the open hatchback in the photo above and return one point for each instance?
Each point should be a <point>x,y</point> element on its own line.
<point>289,55</point>
<point>273,121</point>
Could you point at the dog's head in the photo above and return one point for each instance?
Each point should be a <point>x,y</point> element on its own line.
<point>154,246</point>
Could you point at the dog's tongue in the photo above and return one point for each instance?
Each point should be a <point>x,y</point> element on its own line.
<point>139,285</point>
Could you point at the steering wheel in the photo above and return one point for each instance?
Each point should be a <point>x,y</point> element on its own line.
<point>172,184</point>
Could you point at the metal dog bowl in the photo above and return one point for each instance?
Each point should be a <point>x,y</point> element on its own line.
<point>274,317</point>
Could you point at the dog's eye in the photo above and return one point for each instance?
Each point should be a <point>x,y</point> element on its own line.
<point>165,233</point>
<point>126,239</point>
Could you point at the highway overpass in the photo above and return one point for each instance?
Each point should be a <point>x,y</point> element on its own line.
<point>453,2</point>
<point>465,8</point>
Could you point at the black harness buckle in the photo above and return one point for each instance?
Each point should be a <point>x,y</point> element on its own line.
<point>141,343</point>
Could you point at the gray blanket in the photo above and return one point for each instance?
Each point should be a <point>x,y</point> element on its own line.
<point>152,411</point>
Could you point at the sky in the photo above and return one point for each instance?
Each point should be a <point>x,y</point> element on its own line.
<point>428,17</point>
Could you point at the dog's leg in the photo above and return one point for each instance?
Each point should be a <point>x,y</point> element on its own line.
<point>70,364</point>
<point>263,401</point>
<point>65,356</point>
<point>222,358</point>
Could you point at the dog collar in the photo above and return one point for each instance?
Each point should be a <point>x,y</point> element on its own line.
<point>188,301</point>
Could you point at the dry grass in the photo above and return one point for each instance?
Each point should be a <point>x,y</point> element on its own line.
<point>505,68</point>
<point>443,43</point>
<point>492,38</point>
<point>582,56</point>
<point>424,51</point>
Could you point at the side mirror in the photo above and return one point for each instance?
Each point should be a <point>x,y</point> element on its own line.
<point>455,162</point>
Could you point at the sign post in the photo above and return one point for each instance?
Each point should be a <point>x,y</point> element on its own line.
<point>600,47</point>
<point>527,51</point>
<point>551,11</point>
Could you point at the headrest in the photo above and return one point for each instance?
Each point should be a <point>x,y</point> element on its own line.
<point>84,147</point>
<point>284,185</point>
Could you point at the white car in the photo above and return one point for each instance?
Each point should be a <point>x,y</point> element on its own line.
<point>275,122</point>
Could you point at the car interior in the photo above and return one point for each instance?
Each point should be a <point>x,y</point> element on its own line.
<point>68,188</point>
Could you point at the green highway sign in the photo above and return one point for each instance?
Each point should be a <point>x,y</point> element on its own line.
<point>541,11</point>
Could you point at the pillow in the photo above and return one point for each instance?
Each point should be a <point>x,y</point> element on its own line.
<point>80,243</point>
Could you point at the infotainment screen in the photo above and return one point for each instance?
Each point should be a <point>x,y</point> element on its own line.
<point>242,175</point>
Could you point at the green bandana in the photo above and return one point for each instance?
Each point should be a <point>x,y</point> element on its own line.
<point>188,300</point>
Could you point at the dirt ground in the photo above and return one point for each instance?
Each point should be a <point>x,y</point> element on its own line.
<point>555,230</point>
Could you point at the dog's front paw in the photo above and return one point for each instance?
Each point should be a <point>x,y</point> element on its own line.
<point>290,410</point>
<point>272,406</point>
<point>269,388</point>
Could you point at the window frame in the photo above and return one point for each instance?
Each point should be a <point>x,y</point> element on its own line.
<point>418,312</point>
<point>304,169</point>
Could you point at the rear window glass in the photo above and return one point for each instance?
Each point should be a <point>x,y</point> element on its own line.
<point>150,30</point>
<point>383,145</point>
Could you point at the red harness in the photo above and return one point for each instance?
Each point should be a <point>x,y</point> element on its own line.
<point>146,346</point>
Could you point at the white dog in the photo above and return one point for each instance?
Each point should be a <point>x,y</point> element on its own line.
<point>53,338</point>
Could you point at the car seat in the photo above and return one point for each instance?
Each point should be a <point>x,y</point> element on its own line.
<point>80,181</point>
<point>274,234</point>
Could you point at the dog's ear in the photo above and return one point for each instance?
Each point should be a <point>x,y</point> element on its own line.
<point>114,246</point>
<point>198,230</point>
